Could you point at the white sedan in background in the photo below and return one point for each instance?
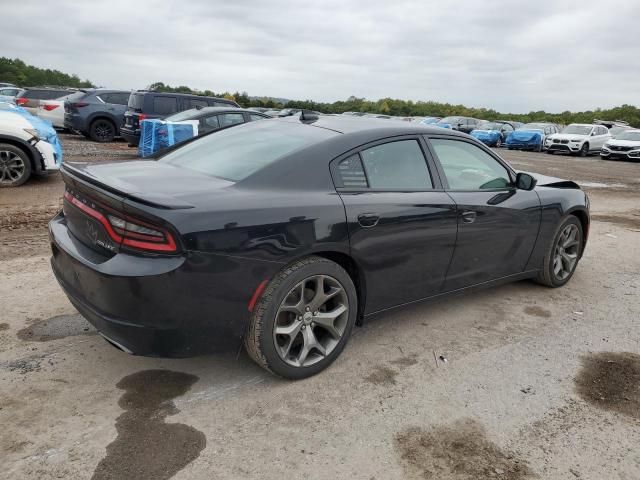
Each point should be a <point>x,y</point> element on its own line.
<point>578,139</point>
<point>53,110</point>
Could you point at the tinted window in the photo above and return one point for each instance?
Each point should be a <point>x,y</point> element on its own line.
<point>211,122</point>
<point>45,94</point>
<point>468,167</point>
<point>119,98</point>
<point>236,153</point>
<point>165,105</point>
<point>350,173</point>
<point>227,119</point>
<point>196,102</point>
<point>9,91</point>
<point>507,128</point>
<point>396,165</point>
<point>136,102</point>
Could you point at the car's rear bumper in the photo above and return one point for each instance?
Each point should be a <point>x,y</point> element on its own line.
<point>174,306</point>
<point>131,136</point>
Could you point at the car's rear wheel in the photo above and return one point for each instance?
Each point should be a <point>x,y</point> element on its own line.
<point>584,151</point>
<point>563,254</point>
<point>102,130</point>
<point>498,142</point>
<point>15,166</point>
<point>304,318</point>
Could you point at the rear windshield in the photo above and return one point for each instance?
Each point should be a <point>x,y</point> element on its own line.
<point>136,102</point>
<point>235,153</point>
<point>48,94</point>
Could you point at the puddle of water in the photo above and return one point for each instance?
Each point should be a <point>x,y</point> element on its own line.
<point>146,447</point>
<point>458,451</point>
<point>382,375</point>
<point>537,311</point>
<point>611,380</point>
<point>55,328</point>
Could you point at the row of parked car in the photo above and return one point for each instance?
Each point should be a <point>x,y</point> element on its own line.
<point>611,139</point>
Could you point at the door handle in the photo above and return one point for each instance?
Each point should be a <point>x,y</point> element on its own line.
<point>469,216</point>
<point>368,220</point>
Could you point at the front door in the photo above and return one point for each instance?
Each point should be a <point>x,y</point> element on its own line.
<point>402,225</point>
<point>497,223</point>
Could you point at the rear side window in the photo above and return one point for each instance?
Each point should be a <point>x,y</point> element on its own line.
<point>227,119</point>
<point>165,105</point>
<point>196,102</point>
<point>350,173</point>
<point>211,122</point>
<point>115,98</point>
<point>396,165</point>
<point>46,94</point>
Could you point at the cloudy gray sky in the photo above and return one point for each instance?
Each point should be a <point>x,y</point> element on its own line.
<point>513,56</point>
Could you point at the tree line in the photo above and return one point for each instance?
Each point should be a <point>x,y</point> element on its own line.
<point>19,73</point>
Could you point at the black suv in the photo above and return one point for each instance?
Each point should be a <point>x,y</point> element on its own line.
<point>98,114</point>
<point>144,104</point>
<point>462,124</point>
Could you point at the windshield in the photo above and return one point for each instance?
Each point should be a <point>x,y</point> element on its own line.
<point>629,135</point>
<point>578,129</point>
<point>615,131</point>
<point>490,126</point>
<point>235,153</point>
<point>180,116</point>
<point>533,126</point>
<point>451,120</point>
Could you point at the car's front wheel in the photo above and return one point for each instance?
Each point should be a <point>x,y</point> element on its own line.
<point>563,253</point>
<point>303,319</point>
<point>584,151</point>
<point>15,166</point>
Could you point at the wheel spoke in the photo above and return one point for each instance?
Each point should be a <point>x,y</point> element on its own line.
<point>310,344</point>
<point>327,320</point>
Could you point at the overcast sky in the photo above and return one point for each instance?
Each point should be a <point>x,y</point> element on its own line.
<point>551,55</point>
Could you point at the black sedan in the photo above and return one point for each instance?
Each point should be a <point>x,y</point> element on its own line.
<point>211,119</point>
<point>287,233</point>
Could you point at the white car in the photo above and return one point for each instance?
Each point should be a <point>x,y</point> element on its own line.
<point>9,94</point>
<point>53,110</point>
<point>27,146</point>
<point>578,139</point>
<point>625,146</point>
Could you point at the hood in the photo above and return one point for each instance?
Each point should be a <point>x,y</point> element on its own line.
<point>624,143</point>
<point>150,182</point>
<point>568,136</point>
<point>554,182</point>
<point>485,133</point>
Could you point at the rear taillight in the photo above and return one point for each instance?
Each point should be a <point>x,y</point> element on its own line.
<point>79,104</point>
<point>21,101</point>
<point>127,231</point>
<point>141,117</point>
<point>48,106</point>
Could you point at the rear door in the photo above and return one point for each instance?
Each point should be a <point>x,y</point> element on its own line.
<point>402,225</point>
<point>497,223</point>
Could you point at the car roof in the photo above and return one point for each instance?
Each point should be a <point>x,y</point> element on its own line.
<point>347,124</point>
<point>199,112</point>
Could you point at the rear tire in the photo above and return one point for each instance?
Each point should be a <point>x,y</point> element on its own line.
<point>563,255</point>
<point>312,335</point>
<point>15,166</point>
<point>102,130</point>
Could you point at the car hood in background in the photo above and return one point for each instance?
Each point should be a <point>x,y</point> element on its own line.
<point>485,134</point>
<point>624,143</point>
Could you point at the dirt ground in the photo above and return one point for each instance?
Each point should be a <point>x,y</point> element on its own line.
<point>518,382</point>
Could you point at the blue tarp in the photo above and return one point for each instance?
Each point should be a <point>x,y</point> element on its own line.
<point>45,130</point>
<point>157,135</point>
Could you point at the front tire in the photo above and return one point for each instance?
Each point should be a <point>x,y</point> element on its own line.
<point>15,166</point>
<point>584,151</point>
<point>563,254</point>
<point>303,319</point>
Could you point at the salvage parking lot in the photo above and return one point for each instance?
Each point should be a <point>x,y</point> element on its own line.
<point>516,382</point>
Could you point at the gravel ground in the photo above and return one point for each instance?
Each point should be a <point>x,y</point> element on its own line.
<point>516,382</point>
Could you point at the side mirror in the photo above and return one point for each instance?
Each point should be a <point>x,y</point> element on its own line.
<point>524,181</point>
<point>593,134</point>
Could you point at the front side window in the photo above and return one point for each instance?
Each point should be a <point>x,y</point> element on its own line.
<point>165,105</point>
<point>211,122</point>
<point>468,167</point>
<point>396,165</point>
